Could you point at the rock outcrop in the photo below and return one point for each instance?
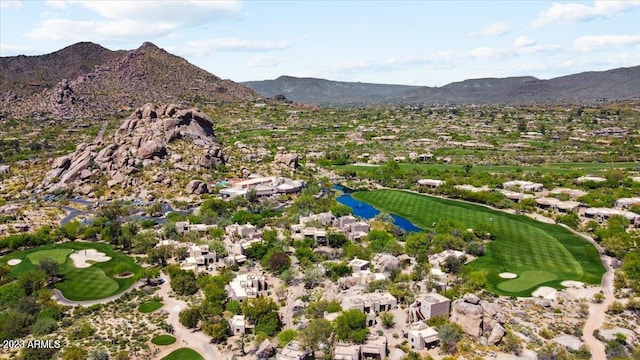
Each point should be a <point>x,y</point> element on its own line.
<point>479,317</point>
<point>290,160</point>
<point>142,139</point>
<point>197,187</point>
<point>385,263</point>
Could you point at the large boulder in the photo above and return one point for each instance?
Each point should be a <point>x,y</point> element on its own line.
<point>290,160</point>
<point>197,187</point>
<point>151,149</point>
<point>496,334</point>
<point>468,316</point>
<point>141,140</point>
<point>478,317</point>
<point>385,263</point>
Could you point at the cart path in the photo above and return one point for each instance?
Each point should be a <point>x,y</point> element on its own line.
<point>195,340</point>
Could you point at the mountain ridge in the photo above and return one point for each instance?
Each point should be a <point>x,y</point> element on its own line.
<point>123,81</point>
<point>591,86</point>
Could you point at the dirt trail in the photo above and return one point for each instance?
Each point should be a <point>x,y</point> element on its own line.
<point>197,341</point>
<point>597,313</point>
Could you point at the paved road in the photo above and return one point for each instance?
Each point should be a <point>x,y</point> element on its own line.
<point>57,296</point>
<point>197,341</point>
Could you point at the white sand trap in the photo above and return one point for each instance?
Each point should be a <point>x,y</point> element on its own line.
<point>14,262</point>
<point>508,275</point>
<point>572,284</point>
<point>545,292</point>
<point>81,257</point>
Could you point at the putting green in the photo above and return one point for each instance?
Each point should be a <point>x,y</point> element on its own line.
<point>527,280</point>
<point>93,283</point>
<point>522,244</point>
<point>183,354</point>
<point>59,255</point>
<point>85,283</point>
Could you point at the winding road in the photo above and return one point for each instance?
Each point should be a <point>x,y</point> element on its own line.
<point>195,340</point>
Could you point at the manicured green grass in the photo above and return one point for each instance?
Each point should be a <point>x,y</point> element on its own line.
<point>96,282</point>
<point>522,244</point>
<point>59,255</point>
<point>149,306</point>
<point>163,340</point>
<point>526,280</point>
<point>559,168</point>
<point>183,354</point>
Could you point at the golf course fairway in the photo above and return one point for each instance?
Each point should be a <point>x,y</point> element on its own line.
<point>540,254</point>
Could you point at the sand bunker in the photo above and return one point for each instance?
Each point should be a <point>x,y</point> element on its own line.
<point>14,262</point>
<point>572,284</point>
<point>545,292</point>
<point>81,257</point>
<point>508,275</point>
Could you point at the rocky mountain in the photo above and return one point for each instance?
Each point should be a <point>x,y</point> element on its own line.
<point>146,74</point>
<point>24,76</point>
<point>320,91</point>
<point>145,141</point>
<point>616,84</point>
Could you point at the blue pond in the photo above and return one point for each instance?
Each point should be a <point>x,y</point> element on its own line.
<point>367,211</point>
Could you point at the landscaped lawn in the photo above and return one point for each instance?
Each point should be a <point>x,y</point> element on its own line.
<point>59,255</point>
<point>559,168</point>
<point>541,254</point>
<point>96,282</point>
<point>149,306</point>
<point>183,354</point>
<point>163,340</point>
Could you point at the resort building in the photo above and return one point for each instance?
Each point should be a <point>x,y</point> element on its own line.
<point>239,325</point>
<point>369,302</point>
<point>602,214</point>
<point>429,306</point>
<point>524,186</point>
<point>430,183</point>
<point>322,218</point>
<point>263,186</point>
<point>241,231</point>
<point>294,351</point>
<point>246,286</point>
<point>358,264</point>
<point>625,203</point>
<point>420,335</point>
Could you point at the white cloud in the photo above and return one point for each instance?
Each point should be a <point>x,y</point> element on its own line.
<point>11,50</point>
<point>494,29</point>
<point>72,30</point>
<point>206,47</point>
<point>131,19</point>
<point>591,43</point>
<point>264,61</point>
<point>10,4</point>
<point>523,41</point>
<point>57,4</point>
<point>175,11</point>
<point>570,13</point>
<point>490,53</point>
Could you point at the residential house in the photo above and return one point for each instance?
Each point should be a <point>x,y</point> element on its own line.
<point>369,302</point>
<point>374,348</point>
<point>420,335</point>
<point>358,264</point>
<point>524,186</point>
<point>239,325</point>
<point>246,286</point>
<point>429,306</point>
<point>294,351</point>
<point>430,183</point>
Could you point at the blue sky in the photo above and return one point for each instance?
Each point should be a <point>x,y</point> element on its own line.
<point>397,42</point>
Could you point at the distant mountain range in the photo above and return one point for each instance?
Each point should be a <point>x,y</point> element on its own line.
<point>616,84</point>
<point>85,80</point>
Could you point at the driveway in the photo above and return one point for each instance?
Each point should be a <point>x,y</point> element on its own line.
<point>197,340</point>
